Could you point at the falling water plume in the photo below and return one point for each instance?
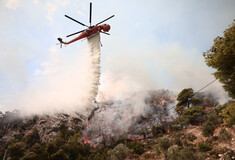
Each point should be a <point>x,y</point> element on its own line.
<point>94,54</point>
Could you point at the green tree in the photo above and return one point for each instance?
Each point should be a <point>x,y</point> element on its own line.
<point>36,148</point>
<point>16,150</point>
<point>73,148</point>
<point>39,150</point>
<point>185,99</point>
<point>59,155</point>
<point>51,148</point>
<point>30,156</point>
<point>228,113</point>
<point>221,56</point>
<point>192,115</point>
<point>32,137</point>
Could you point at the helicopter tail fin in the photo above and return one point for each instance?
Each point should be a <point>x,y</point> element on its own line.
<point>61,42</point>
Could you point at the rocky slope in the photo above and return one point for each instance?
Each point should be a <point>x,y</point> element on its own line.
<point>14,126</point>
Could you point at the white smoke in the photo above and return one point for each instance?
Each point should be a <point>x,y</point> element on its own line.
<point>67,83</point>
<point>169,67</point>
<point>117,118</point>
<point>114,119</point>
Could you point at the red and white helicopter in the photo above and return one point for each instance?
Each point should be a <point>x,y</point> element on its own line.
<point>91,30</point>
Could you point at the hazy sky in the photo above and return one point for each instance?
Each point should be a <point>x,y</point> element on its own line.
<point>154,44</point>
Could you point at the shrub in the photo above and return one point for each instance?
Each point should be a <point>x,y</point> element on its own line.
<point>187,153</point>
<point>164,143</point>
<point>224,135</point>
<point>51,148</point>
<point>192,115</point>
<point>99,156</point>
<point>160,135</point>
<point>191,137</point>
<point>208,129</point>
<point>119,141</point>
<point>36,148</point>
<point>143,132</point>
<point>185,142</point>
<point>213,118</point>
<point>73,148</point>
<point>16,150</point>
<point>85,150</point>
<point>54,145</point>
<point>63,128</point>
<point>228,114</point>
<point>1,153</point>
<point>203,147</point>
<point>178,140</point>
<point>136,146</point>
<point>59,155</point>
<point>64,132</point>
<point>176,127</point>
<point>120,152</point>
<point>32,137</point>
<point>39,150</point>
<point>218,109</point>
<point>30,156</point>
<point>158,130</point>
<point>158,151</point>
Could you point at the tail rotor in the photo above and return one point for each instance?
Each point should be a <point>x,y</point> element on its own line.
<point>61,42</point>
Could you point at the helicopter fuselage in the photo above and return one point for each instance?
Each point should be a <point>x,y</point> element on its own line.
<point>91,29</point>
<point>89,32</point>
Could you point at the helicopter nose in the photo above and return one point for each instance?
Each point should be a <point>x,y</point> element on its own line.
<point>106,28</point>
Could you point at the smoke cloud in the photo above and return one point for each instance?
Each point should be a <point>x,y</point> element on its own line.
<point>64,84</point>
<point>166,67</point>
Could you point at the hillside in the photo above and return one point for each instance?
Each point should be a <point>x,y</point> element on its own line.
<point>114,131</point>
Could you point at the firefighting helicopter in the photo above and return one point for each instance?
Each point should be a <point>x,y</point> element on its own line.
<point>90,31</point>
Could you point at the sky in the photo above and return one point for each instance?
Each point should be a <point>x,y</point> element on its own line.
<point>154,44</point>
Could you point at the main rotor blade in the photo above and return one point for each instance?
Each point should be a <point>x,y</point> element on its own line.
<point>105,20</point>
<point>76,20</point>
<point>105,33</point>
<point>75,33</point>
<point>90,13</point>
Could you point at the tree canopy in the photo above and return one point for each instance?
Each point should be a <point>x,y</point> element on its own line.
<point>221,57</point>
<point>185,98</point>
<point>228,113</point>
